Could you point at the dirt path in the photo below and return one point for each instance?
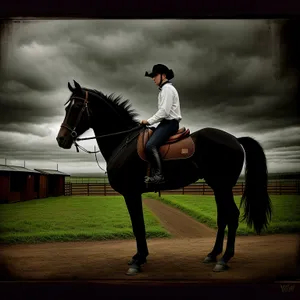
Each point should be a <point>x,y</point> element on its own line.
<point>257,258</point>
<point>178,223</point>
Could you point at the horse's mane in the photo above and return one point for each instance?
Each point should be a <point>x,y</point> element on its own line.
<point>123,107</point>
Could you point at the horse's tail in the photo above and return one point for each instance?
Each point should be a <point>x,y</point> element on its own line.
<point>255,199</point>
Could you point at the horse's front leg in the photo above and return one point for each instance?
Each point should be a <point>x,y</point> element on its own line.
<point>135,209</point>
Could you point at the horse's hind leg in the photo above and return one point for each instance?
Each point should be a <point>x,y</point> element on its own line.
<point>232,219</point>
<point>221,222</point>
<point>228,214</point>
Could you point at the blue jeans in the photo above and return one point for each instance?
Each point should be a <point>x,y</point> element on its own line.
<point>161,134</point>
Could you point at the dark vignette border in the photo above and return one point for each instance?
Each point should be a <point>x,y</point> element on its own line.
<point>20,11</point>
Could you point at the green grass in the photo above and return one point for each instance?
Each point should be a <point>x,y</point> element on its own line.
<point>285,218</point>
<point>71,219</point>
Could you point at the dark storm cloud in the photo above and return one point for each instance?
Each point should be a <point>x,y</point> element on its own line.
<point>223,71</point>
<point>220,61</point>
<point>24,128</point>
<point>26,147</point>
<point>27,106</point>
<point>286,138</point>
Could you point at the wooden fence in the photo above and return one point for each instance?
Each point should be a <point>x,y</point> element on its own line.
<point>278,187</point>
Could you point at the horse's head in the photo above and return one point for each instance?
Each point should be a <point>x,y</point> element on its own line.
<point>76,120</point>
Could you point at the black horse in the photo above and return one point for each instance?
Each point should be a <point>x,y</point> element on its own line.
<point>211,154</point>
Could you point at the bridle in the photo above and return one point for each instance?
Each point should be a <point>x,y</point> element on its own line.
<point>73,130</point>
<point>84,107</point>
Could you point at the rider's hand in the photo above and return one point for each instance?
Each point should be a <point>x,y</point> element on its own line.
<point>144,122</point>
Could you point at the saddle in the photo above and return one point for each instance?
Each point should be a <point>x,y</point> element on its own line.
<point>178,146</point>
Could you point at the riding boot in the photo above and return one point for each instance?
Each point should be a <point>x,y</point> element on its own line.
<point>155,160</point>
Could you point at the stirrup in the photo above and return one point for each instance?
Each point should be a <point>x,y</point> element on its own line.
<point>156,179</point>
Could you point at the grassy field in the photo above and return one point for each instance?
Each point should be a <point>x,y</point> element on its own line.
<point>285,219</point>
<point>71,219</point>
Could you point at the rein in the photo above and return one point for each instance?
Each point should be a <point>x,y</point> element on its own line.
<point>110,134</point>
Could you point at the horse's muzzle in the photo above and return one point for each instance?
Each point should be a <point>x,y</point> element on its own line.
<point>63,142</point>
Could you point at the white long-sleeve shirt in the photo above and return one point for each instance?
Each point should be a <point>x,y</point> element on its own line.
<point>168,105</point>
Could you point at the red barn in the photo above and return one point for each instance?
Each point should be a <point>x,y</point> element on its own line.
<point>51,183</point>
<point>17,184</point>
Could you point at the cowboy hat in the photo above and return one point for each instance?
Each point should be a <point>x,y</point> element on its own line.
<point>160,69</point>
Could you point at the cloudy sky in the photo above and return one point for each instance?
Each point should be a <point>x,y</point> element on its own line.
<point>224,72</point>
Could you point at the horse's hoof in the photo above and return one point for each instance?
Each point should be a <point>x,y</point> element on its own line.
<point>134,270</point>
<point>209,259</point>
<point>220,267</point>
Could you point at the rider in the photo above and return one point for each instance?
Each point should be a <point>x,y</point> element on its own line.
<point>168,116</point>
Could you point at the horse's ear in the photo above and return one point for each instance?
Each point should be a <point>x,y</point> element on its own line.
<point>70,87</point>
<point>77,85</point>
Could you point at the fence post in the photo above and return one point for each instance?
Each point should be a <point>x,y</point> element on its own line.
<point>242,187</point>
<point>88,188</point>
<point>279,187</point>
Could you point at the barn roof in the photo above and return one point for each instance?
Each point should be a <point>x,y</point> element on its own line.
<point>6,168</point>
<point>51,172</point>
